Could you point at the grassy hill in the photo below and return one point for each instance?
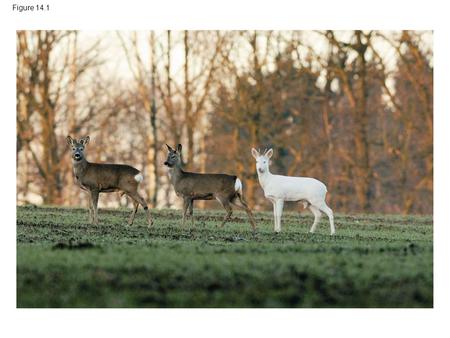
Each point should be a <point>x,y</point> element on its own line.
<point>374,261</point>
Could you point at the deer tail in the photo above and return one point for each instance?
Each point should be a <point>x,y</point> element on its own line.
<point>139,178</point>
<point>238,186</point>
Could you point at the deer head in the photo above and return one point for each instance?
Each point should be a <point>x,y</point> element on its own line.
<point>262,161</point>
<point>78,147</point>
<point>173,157</point>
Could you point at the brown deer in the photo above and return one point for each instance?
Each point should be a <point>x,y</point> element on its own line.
<point>100,177</point>
<point>226,189</point>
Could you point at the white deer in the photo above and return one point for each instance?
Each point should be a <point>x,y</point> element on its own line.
<point>278,188</point>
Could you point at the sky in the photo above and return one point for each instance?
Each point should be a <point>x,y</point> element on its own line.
<point>115,58</point>
<point>116,65</point>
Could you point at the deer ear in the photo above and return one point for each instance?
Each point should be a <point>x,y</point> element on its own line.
<point>85,140</point>
<point>179,147</point>
<point>255,153</point>
<point>69,140</point>
<point>269,153</point>
<point>169,147</point>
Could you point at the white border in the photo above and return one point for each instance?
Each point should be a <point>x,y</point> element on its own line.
<point>231,14</point>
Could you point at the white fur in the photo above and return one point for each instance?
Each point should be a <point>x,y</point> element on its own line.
<point>238,186</point>
<point>278,188</point>
<point>139,178</point>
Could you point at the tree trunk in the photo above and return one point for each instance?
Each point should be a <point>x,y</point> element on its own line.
<point>189,121</point>
<point>52,189</point>
<point>327,127</point>
<point>154,133</point>
<point>71,195</point>
<point>360,117</point>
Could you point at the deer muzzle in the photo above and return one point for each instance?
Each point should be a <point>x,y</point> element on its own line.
<point>169,164</point>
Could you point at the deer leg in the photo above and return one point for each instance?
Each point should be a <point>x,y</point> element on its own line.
<point>186,204</point>
<point>326,209</point>
<point>317,216</point>
<point>94,199</point>
<point>91,211</point>
<point>191,211</point>
<point>133,213</point>
<point>279,211</point>
<point>135,195</point>
<point>240,203</point>
<point>226,205</point>
<point>275,216</point>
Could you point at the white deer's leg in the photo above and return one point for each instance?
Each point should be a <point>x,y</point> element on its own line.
<point>317,216</point>
<point>275,216</point>
<point>324,207</point>
<point>279,212</point>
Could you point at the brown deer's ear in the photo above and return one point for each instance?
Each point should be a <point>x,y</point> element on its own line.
<point>169,147</point>
<point>69,140</point>
<point>255,153</point>
<point>85,140</point>
<point>179,147</point>
<point>269,153</point>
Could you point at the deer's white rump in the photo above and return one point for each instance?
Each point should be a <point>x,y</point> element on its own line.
<point>226,189</point>
<point>278,189</point>
<point>96,178</point>
<point>238,186</point>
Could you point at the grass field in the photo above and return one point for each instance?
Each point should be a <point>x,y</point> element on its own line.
<point>374,261</point>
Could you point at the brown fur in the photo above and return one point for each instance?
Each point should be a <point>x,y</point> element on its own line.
<point>203,186</point>
<point>196,186</point>
<point>106,177</point>
<point>96,178</point>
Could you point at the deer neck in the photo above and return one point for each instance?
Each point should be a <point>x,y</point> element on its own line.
<point>264,177</point>
<point>79,167</point>
<point>175,174</point>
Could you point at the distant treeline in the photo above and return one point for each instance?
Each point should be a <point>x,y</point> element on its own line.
<point>351,108</point>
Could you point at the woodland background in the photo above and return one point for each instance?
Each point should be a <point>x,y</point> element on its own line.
<point>351,108</point>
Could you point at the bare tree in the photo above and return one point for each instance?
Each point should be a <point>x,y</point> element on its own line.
<point>45,67</point>
<point>354,85</point>
<point>351,108</point>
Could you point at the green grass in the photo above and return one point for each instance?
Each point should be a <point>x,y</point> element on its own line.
<point>374,261</point>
